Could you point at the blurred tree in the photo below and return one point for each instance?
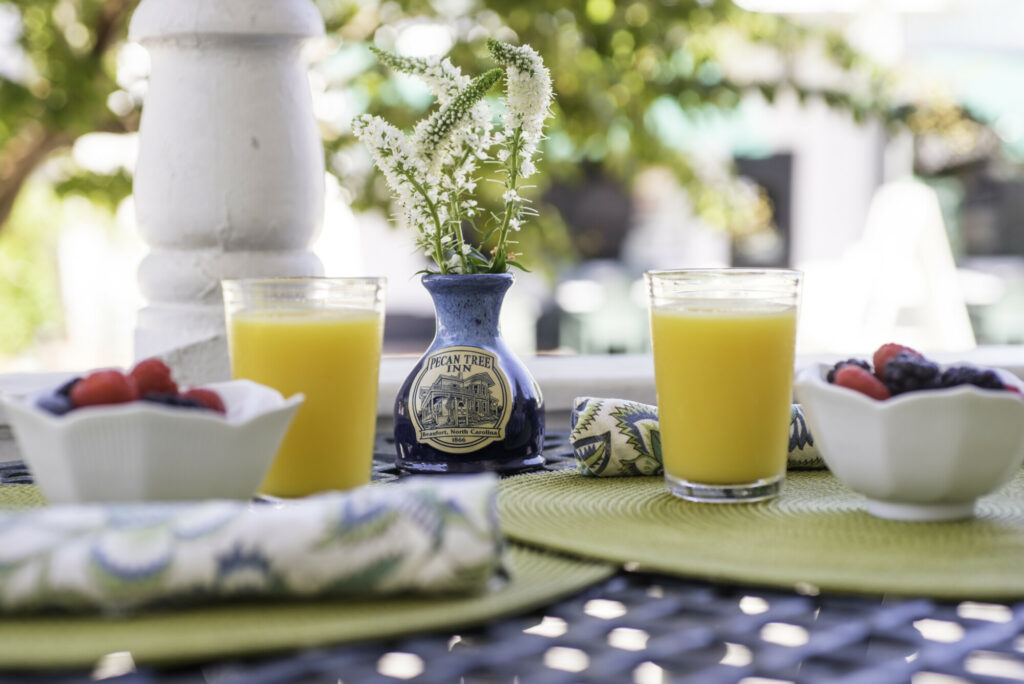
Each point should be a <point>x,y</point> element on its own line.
<point>619,68</point>
<point>58,89</point>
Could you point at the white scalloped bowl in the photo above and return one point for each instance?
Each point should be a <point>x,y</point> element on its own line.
<point>142,451</point>
<point>921,456</point>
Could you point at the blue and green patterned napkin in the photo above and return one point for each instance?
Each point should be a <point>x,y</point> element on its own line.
<point>615,437</point>
<point>422,535</point>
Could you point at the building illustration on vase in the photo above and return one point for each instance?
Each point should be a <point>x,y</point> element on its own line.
<point>454,401</point>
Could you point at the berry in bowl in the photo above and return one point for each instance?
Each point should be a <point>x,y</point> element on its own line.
<point>113,436</point>
<point>921,441</point>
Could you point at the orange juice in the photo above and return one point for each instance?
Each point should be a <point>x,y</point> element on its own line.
<point>331,356</point>
<point>724,375</point>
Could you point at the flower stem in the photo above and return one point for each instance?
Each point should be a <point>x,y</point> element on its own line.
<point>511,207</point>
<point>456,213</point>
<point>438,251</point>
<point>457,231</point>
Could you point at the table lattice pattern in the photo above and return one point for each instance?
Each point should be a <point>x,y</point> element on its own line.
<point>650,629</point>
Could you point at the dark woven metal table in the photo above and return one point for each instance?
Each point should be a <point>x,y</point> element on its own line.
<point>650,629</point>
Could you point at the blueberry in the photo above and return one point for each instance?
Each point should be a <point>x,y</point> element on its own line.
<point>56,403</point>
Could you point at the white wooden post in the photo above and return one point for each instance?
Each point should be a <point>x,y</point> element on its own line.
<point>230,175</point>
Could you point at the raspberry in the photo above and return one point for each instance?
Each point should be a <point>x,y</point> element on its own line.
<point>831,377</point>
<point>102,387</point>
<point>886,352</point>
<point>152,376</point>
<point>909,371</point>
<point>857,378</point>
<point>968,375</point>
<point>207,398</point>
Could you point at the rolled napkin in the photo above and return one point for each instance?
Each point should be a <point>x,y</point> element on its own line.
<point>615,437</point>
<point>420,535</point>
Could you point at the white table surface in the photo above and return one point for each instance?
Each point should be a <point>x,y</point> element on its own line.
<point>562,378</point>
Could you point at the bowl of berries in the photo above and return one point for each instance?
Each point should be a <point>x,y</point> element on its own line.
<point>137,436</point>
<point>921,441</point>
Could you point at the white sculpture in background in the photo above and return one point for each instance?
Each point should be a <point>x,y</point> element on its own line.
<point>230,175</point>
<point>898,283</point>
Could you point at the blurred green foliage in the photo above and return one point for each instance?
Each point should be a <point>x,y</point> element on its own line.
<point>29,285</point>
<point>614,62</point>
<point>60,87</point>
<point>55,82</point>
<point>615,67</point>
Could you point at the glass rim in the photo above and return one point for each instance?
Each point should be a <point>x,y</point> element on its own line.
<point>286,280</point>
<point>726,271</point>
<point>304,292</point>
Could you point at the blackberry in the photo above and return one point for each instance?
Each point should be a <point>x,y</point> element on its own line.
<point>65,389</point>
<point>968,375</point>
<point>831,377</point>
<point>56,403</point>
<point>906,372</point>
<point>169,399</point>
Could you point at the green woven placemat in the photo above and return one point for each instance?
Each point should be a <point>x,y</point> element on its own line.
<point>20,496</point>
<point>537,578</point>
<point>816,533</point>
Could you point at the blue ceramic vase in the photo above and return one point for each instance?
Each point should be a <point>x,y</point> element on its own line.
<point>470,404</point>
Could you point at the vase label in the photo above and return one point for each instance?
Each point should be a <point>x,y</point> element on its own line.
<point>460,400</point>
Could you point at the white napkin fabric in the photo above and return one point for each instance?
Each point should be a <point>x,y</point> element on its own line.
<point>421,535</point>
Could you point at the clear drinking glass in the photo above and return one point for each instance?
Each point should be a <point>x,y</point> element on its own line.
<point>321,337</point>
<point>724,342</point>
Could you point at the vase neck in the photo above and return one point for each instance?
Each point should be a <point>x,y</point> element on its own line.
<point>467,306</point>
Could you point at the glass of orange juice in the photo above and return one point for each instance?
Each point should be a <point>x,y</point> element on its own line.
<point>321,337</point>
<point>724,343</point>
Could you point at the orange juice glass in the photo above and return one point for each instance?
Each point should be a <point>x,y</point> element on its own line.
<point>321,337</point>
<point>724,343</point>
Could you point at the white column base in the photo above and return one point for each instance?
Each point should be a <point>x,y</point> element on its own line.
<point>201,362</point>
<point>161,328</point>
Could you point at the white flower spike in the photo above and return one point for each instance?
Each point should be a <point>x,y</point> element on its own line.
<point>430,173</point>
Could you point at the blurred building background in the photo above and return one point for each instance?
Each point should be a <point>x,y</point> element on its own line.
<point>875,145</point>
